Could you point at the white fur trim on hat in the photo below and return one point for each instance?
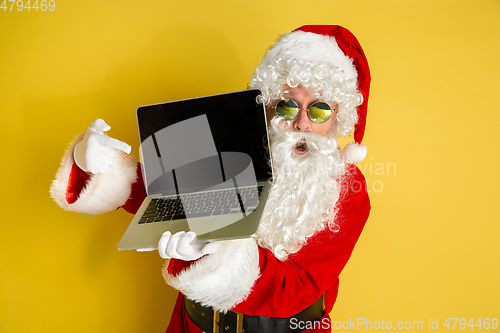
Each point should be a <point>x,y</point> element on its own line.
<point>314,48</point>
<point>104,192</point>
<point>220,280</point>
<point>354,152</point>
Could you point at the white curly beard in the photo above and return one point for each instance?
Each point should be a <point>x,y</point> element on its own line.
<point>304,192</point>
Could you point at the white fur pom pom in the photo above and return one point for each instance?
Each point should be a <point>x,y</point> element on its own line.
<point>354,152</point>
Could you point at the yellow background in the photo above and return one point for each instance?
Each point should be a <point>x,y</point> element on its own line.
<point>430,248</point>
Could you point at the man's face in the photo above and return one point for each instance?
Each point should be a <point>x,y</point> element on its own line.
<point>302,122</point>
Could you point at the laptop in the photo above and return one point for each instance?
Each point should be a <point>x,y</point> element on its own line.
<point>206,166</point>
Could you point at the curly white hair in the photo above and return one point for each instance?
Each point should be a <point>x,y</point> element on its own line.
<point>314,62</point>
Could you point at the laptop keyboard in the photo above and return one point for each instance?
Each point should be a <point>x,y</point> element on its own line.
<point>200,204</point>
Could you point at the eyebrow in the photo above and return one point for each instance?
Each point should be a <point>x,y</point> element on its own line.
<point>292,96</point>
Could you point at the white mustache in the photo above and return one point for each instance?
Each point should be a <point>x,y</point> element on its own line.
<point>325,145</point>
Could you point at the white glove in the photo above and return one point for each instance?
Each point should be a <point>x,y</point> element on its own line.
<point>178,246</point>
<point>97,152</point>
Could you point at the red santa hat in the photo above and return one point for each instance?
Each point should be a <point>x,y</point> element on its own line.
<point>338,47</point>
<point>352,50</point>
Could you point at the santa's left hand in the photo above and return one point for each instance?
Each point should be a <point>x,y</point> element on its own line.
<point>178,246</point>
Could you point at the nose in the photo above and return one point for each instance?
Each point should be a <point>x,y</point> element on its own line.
<point>302,122</point>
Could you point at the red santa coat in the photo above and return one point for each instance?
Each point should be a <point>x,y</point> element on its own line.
<point>276,288</point>
<point>285,288</point>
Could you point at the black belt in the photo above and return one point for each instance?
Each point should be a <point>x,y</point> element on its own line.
<point>210,320</point>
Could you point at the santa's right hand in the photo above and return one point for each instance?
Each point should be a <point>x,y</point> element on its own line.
<point>180,246</point>
<point>97,152</point>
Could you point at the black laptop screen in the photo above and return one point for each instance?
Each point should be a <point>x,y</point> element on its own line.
<point>204,143</point>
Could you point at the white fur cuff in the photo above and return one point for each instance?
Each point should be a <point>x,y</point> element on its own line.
<point>220,280</point>
<point>354,153</point>
<point>104,192</point>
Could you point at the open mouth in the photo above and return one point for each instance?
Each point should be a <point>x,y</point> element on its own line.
<point>300,147</point>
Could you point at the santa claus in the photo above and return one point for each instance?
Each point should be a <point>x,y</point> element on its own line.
<point>314,83</point>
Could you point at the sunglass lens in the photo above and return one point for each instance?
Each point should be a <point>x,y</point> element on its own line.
<point>287,109</point>
<point>320,112</point>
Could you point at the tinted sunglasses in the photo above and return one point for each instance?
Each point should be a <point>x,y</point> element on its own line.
<point>288,109</point>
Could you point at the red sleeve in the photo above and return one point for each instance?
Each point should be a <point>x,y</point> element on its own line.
<point>137,195</point>
<point>78,181</point>
<point>301,279</point>
<point>175,266</point>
